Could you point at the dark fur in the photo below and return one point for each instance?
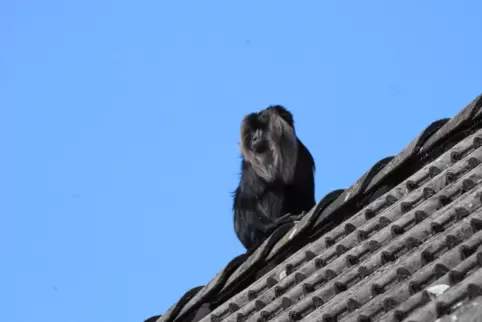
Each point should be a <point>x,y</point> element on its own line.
<point>277,176</point>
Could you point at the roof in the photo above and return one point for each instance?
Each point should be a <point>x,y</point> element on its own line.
<point>402,243</point>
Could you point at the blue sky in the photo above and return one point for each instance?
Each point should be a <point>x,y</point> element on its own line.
<point>119,125</point>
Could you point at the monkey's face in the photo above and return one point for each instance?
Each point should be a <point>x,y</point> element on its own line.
<point>254,133</point>
<point>259,141</point>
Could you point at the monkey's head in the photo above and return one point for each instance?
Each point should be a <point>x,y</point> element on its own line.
<point>257,128</point>
<point>269,143</point>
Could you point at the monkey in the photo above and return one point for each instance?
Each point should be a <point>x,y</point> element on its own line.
<point>276,184</point>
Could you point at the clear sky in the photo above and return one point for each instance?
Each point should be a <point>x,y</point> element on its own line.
<point>119,125</point>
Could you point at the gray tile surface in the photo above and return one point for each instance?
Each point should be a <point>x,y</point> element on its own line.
<point>383,257</point>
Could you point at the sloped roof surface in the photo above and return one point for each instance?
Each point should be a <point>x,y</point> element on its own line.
<point>404,243</point>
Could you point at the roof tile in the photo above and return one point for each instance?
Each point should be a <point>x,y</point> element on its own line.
<point>380,249</point>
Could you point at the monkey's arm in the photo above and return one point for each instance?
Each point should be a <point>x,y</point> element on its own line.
<point>250,227</point>
<point>251,222</point>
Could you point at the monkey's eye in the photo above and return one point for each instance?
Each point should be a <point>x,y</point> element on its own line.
<point>256,136</point>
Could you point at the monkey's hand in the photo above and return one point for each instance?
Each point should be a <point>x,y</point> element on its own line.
<point>289,218</point>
